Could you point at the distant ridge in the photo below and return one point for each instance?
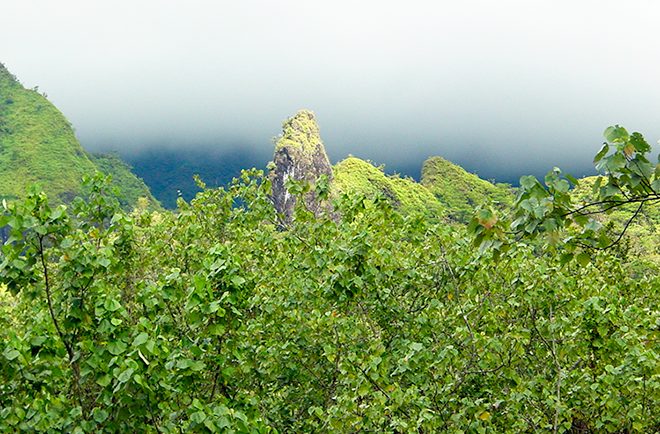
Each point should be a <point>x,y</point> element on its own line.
<point>460,191</point>
<point>353,175</point>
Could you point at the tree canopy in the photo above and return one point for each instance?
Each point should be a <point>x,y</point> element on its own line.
<point>214,318</point>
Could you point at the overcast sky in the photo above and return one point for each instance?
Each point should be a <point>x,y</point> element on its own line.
<point>503,87</point>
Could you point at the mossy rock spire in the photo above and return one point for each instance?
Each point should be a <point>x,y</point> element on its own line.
<point>300,131</point>
<point>299,156</point>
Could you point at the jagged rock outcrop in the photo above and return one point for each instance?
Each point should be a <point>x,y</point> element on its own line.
<point>300,156</point>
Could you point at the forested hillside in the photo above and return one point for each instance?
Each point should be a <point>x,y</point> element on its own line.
<point>169,172</point>
<point>353,175</point>
<point>38,145</point>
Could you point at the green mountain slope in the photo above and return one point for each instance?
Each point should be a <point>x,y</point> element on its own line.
<point>460,191</point>
<point>356,175</point>
<point>38,145</point>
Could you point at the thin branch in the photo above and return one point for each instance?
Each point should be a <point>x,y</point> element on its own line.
<point>49,299</point>
<point>620,237</point>
<point>613,204</point>
<point>377,386</point>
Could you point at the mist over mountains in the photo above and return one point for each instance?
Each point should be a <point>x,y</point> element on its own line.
<point>503,89</point>
<point>321,295</point>
<point>169,171</point>
<point>37,139</point>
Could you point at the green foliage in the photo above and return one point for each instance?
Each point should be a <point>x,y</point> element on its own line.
<point>570,220</point>
<point>462,192</point>
<point>213,319</point>
<point>354,175</point>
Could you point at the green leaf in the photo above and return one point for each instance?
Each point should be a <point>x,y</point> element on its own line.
<point>216,329</point>
<point>528,181</point>
<point>237,280</point>
<point>593,225</point>
<point>125,375</point>
<point>562,186</point>
<point>641,145</point>
<point>104,381</point>
<point>116,347</point>
<point>596,186</point>
<point>197,366</point>
<point>76,412</point>
<point>198,417</point>
<point>139,380</point>
<point>655,185</point>
<point>10,354</point>
<point>616,134</point>
<point>603,151</point>
<point>485,415</point>
<point>111,304</point>
<point>583,258</point>
<point>611,190</point>
<point>565,258</point>
<point>104,262</point>
<point>616,163</point>
<point>99,415</point>
<point>140,339</point>
<point>37,341</point>
<point>573,180</point>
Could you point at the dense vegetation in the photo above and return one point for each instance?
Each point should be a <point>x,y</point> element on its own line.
<point>214,318</point>
<point>300,131</point>
<point>461,192</point>
<point>38,145</point>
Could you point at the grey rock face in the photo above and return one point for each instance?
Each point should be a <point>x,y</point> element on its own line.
<point>300,156</point>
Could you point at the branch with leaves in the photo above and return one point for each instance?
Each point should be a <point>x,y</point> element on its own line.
<point>554,211</point>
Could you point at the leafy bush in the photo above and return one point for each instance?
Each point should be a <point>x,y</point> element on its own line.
<point>212,319</point>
